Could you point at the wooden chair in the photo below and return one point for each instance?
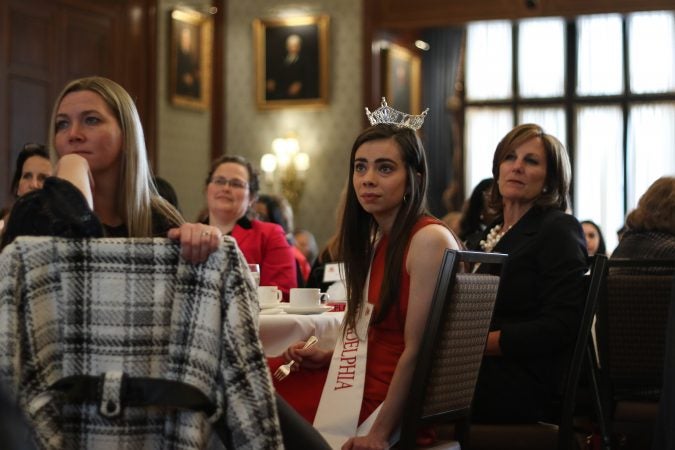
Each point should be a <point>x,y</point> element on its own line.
<point>560,432</point>
<point>452,347</point>
<point>631,332</point>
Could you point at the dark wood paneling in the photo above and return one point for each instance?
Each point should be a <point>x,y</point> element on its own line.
<point>30,54</point>
<point>27,78</point>
<point>430,13</point>
<point>31,105</point>
<point>139,48</point>
<point>46,43</point>
<point>88,47</point>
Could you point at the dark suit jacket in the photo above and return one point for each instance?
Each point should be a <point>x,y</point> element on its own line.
<point>539,305</point>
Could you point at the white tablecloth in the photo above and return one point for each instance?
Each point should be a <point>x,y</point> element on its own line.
<point>278,331</point>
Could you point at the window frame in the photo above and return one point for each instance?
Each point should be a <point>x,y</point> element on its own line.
<point>569,101</point>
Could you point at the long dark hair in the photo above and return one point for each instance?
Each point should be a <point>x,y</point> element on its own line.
<point>28,151</point>
<point>359,228</point>
<point>473,215</point>
<point>602,249</point>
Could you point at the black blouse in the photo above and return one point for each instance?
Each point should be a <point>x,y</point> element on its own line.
<point>60,209</point>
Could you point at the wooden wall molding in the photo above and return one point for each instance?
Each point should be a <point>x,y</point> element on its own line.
<point>46,43</point>
<point>401,14</point>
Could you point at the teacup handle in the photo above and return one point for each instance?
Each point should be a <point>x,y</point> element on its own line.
<point>278,294</point>
<point>324,297</point>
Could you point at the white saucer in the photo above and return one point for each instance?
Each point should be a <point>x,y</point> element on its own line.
<point>307,309</point>
<point>270,311</point>
<point>269,305</point>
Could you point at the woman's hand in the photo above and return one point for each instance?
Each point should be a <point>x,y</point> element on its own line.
<point>492,347</point>
<point>75,169</point>
<point>367,442</point>
<point>309,358</point>
<point>197,241</point>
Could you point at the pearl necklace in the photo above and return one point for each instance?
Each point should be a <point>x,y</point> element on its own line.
<point>492,238</point>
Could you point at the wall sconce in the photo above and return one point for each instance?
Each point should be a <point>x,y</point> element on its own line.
<point>285,169</point>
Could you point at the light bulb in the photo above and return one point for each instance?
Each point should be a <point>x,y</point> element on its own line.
<point>301,162</point>
<point>268,163</point>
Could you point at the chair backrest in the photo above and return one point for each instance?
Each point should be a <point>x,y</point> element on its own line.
<point>120,342</point>
<point>545,435</point>
<point>580,352</point>
<point>632,326</point>
<point>452,347</point>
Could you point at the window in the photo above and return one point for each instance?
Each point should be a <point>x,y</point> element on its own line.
<point>603,84</point>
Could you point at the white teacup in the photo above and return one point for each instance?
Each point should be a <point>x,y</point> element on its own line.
<point>268,294</point>
<point>307,297</point>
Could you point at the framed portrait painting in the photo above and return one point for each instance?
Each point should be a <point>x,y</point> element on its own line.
<point>191,42</point>
<point>401,78</point>
<point>291,61</point>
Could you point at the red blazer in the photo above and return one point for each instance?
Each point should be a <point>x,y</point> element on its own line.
<point>265,244</point>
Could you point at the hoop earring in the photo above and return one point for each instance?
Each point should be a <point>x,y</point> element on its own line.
<point>405,197</point>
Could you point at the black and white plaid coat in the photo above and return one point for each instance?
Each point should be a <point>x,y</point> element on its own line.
<point>90,306</point>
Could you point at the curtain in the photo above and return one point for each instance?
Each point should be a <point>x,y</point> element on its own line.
<point>439,72</point>
<point>600,60</point>
<point>598,172</point>
<point>651,140</point>
<point>541,61</point>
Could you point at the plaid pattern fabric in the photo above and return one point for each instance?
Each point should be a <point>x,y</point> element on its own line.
<point>89,306</point>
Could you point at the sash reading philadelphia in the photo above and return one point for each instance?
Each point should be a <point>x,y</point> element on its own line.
<point>338,412</point>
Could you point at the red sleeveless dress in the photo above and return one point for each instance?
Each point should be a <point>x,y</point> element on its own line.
<point>303,389</point>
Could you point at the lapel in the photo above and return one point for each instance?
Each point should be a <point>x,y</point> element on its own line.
<point>242,231</point>
<point>522,231</point>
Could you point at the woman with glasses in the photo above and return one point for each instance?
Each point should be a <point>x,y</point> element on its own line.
<point>231,189</point>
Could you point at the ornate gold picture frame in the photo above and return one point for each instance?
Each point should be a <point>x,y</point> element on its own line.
<point>291,61</point>
<point>401,84</point>
<point>190,50</point>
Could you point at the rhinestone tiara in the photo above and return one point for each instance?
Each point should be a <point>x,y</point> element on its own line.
<point>387,114</point>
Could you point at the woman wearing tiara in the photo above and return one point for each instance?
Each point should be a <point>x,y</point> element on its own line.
<point>385,224</point>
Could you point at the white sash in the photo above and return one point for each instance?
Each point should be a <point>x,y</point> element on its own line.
<point>337,416</point>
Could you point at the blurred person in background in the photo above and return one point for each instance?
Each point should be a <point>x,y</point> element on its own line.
<point>595,242</point>
<point>231,192</point>
<point>306,243</point>
<point>476,215</point>
<point>276,209</point>
<point>650,228</point>
<point>32,168</point>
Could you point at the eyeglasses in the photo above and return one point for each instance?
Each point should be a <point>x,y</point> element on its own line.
<point>234,183</point>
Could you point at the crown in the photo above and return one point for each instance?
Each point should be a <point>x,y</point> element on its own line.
<point>387,114</point>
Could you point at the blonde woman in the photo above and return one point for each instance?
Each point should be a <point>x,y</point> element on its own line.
<point>102,183</point>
